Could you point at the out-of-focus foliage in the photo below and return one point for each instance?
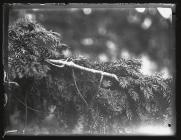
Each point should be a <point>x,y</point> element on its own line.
<point>105,33</point>
<point>54,105</point>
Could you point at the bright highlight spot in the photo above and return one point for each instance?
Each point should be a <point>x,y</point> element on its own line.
<point>87,41</point>
<point>155,130</point>
<point>165,12</point>
<point>35,9</point>
<point>125,54</point>
<point>111,45</point>
<point>67,53</point>
<point>74,9</point>
<point>165,73</point>
<point>140,10</point>
<point>146,23</point>
<point>148,67</point>
<point>87,11</point>
<point>30,17</point>
<point>103,58</point>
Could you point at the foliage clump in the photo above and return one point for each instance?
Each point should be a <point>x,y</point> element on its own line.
<point>26,56</point>
<point>79,101</point>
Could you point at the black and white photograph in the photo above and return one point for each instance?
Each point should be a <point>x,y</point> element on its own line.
<point>89,69</point>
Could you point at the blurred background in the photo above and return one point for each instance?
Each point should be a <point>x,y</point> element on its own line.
<point>106,34</point>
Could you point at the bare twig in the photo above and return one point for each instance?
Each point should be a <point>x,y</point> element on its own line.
<point>5,99</point>
<point>73,65</point>
<point>96,117</point>
<point>73,74</point>
<point>26,113</point>
<point>102,76</point>
<point>9,131</point>
<point>9,82</point>
<point>30,108</point>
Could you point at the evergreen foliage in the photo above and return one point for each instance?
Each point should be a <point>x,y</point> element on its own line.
<point>95,103</point>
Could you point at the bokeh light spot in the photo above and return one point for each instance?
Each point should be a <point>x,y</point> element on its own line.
<point>125,54</point>
<point>103,58</point>
<point>165,73</point>
<point>87,11</point>
<point>87,41</point>
<point>165,12</point>
<point>148,67</point>
<point>140,10</point>
<point>146,23</point>
<point>30,17</point>
<point>111,45</point>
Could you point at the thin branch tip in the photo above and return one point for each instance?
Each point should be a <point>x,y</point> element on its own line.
<point>60,63</point>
